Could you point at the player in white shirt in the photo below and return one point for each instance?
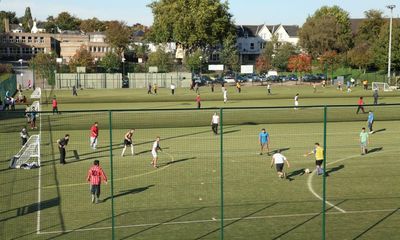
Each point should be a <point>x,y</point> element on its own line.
<point>279,160</point>
<point>215,123</point>
<point>225,95</point>
<point>154,151</point>
<point>296,101</point>
<point>173,89</point>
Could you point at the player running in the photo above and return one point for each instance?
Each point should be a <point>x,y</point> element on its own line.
<point>263,139</point>
<point>279,161</point>
<point>154,152</point>
<point>128,142</point>
<point>95,176</point>
<point>319,158</point>
<point>94,133</point>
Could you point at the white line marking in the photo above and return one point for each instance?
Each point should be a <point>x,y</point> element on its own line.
<point>39,201</point>
<point>225,219</point>
<point>309,180</point>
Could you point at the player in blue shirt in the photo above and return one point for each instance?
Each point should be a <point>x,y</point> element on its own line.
<point>263,139</point>
<point>370,121</point>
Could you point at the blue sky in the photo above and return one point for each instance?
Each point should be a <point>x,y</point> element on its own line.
<point>244,11</point>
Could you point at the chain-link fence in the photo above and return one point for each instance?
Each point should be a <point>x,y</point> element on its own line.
<point>205,184</point>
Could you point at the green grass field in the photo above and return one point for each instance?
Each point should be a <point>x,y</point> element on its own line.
<point>182,198</point>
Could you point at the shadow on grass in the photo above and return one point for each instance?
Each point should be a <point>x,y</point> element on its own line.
<point>376,224</point>
<point>334,169</point>
<point>128,192</point>
<point>178,161</point>
<point>380,130</point>
<point>375,150</point>
<point>295,173</point>
<point>240,219</point>
<point>278,150</point>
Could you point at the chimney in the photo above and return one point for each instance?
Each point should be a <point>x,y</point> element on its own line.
<point>6,25</point>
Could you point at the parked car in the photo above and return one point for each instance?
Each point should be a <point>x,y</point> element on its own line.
<point>321,76</point>
<point>202,80</point>
<point>309,78</point>
<point>219,80</point>
<point>241,79</point>
<point>292,77</point>
<point>282,78</point>
<point>273,78</point>
<point>229,79</point>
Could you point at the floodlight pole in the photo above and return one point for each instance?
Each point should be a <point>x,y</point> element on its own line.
<point>391,7</point>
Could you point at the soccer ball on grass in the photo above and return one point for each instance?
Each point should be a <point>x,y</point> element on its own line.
<point>307,171</point>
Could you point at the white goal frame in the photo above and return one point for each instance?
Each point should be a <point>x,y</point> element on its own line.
<point>380,86</point>
<point>37,93</point>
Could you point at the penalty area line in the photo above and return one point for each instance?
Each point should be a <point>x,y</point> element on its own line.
<point>218,220</point>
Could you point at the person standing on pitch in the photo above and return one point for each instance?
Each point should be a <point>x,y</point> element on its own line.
<point>154,152</point>
<point>319,157</point>
<point>32,115</point>
<point>128,142</point>
<point>364,141</point>
<point>155,88</point>
<point>24,135</point>
<point>149,89</point>
<point>215,123</point>
<point>360,105</point>
<point>296,101</point>
<point>269,89</point>
<point>95,176</point>
<point>62,143</point>
<point>238,87</point>
<point>376,96</point>
<point>225,95</point>
<point>212,86</point>
<point>279,161</point>
<point>173,89</point>
<point>94,134</point>
<point>74,91</point>
<point>263,140</point>
<point>198,101</point>
<point>370,121</point>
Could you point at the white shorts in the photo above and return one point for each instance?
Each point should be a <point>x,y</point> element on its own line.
<point>154,153</point>
<point>296,103</point>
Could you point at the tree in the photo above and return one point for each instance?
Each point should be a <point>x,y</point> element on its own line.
<point>282,54</point>
<point>82,58</point>
<point>381,47</point>
<point>263,64</point>
<point>110,62</point>
<point>161,59</point>
<point>92,25</point>
<point>66,21</point>
<point>194,61</point>
<point>50,25</point>
<point>327,29</point>
<point>370,28</point>
<point>329,59</point>
<point>361,56</point>
<point>27,21</point>
<point>44,65</point>
<point>230,54</point>
<point>10,16</point>
<point>300,63</point>
<point>117,35</point>
<point>192,23</point>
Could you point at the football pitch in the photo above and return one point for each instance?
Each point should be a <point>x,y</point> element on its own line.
<point>203,179</point>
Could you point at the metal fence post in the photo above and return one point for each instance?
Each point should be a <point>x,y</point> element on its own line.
<point>324,181</point>
<point>222,171</point>
<point>112,177</point>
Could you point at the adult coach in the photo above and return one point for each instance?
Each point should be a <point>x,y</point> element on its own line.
<point>94,133</point>
<point>215,123</point>
<point>62,143</point>
<point>154,152</point>
<point>95,176</point>
<point>279,160</point>
<point>128,142</point>
<point>319,158</point>
<point>263,139</point>
<point>370,121</point>
<point>364,141</point>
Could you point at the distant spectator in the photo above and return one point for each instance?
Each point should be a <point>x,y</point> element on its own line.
<point>365,84</point>
<point>149,89</point>
<point>74,91</point>
<point>24,136</point>
<point>212,86</point>
<point>348,84</point>
<point>376,96</point>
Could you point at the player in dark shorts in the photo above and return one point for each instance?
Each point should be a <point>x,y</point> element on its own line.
<point>128,142</point>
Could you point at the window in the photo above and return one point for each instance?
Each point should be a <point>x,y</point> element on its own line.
<point>35,39</point>
<point>252,46</point>
<point>29,39</point>
<point>17,39</point>
<point>23,39</point>
<point>41,39</point>
<point>11,39</point>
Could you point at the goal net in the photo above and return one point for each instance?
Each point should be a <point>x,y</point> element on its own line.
<point>37,93</point>
<point>380,86</point>
<point>29,155</point>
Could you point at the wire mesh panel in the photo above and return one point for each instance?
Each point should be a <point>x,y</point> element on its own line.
<point>363,184</point>
<point>177,195</point>
<point>260,202</point>
<point>67,207</point>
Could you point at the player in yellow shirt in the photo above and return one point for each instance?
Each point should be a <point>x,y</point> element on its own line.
<point>319,157</point>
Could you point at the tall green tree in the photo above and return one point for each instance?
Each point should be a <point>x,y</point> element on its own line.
<point>194,61</point>
<point>326,30</point>
<point>82,58</point>
<point>44,65</point>
<point>381,46</point>
<point>361,56</point>
<point>229,54</point>
<point>370,28</point>
<point>92,25</point>
<point>192,23</point>
<point>65,21</point>
<point>117,35</point>
<point>160,59</point>
<point>282,54</point>
<point>27,21</point>
<point>111,62</point>
<point>11,17</point>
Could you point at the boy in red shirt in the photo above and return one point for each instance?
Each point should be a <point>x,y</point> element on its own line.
<point>360,105</point>
<point>95,176</point>
<point>55,106</point>
<point>94,133</point>
<point>198,100</point>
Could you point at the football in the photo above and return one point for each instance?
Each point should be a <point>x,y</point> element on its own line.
<point>307,170</point>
